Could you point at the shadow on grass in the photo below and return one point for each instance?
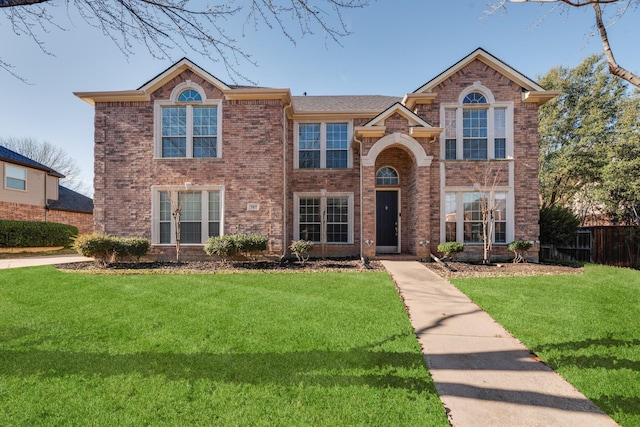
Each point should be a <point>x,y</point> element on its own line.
<point>380,369</point>
<point>562,357</point>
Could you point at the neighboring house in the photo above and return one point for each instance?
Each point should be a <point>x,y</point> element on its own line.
<point>31,191</point>
<point>358,175</point>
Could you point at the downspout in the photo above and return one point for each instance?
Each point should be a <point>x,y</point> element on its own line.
<point>46,200</point>
<point>361,200</point>
<point>285,212</point>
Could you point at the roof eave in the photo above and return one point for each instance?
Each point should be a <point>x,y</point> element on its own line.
<point>113,96</point>
<point>539,96</point>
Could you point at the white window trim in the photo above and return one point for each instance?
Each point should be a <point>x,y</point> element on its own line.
<point>510,214</point>
<point>323,196</point>
<point>6,176</point>
<point>490,106</point>
<point>323,142</point>
<point>155,211</point>
<point>172,102</point>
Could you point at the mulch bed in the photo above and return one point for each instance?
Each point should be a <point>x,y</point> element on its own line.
<point>460,269</point>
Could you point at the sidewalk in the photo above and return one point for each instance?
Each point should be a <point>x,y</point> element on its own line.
<point>31,261</point>
<point>484,376</point>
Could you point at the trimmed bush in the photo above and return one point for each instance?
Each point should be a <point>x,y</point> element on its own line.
<point>520,248</point>
<point>558,226</point>
<point>106,249</point>
<point>301,249</point>
<point>450,249</point>
<point>230,245</point>
<point>32,234</point>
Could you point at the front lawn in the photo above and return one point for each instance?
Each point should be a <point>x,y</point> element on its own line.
<point>586,327</point>
<point>209,349</point>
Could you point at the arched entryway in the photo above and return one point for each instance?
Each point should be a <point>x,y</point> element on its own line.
<point>395,177</point>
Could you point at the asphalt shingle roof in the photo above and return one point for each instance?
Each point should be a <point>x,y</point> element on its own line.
<point>69,200</point>
<point>13,157</point>
<point>343,103</point>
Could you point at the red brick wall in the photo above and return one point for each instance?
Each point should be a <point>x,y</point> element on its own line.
<point>250,169</point>
<point>22,212</point>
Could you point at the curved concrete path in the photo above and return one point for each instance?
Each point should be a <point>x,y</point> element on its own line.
<point>484,376</point>
<point>31,261</point>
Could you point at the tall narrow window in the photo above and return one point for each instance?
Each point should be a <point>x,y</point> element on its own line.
<point>191,217</point>
<point>500,217</point>
<point>174,132</point>
<point>473,217</point>
<point>450,131</point>
<point>205,131</point>
<point>309,145</point>
<point>309,219</point>
<point>337,145</point>
<point>337,220</point>
<point>15,178</point>
<point>500,133</point>
<point>214,214</point>
<point>451,216</point>
<point>165,217</point>
<point>474,134</point>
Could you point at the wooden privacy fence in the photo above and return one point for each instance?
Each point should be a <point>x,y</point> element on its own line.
<point>609,245</point>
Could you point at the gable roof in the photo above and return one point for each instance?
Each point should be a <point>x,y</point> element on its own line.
<point>69,200</point>
<point>488,59</point>
<point>11,156</point>
<point>341,105</point>
<point>417,126</point>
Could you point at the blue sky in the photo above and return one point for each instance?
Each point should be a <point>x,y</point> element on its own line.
<point>396,46</point>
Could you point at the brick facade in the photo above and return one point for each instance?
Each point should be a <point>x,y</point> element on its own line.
<point>257,165</point>
<point>23,212</point>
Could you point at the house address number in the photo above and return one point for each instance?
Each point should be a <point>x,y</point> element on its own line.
<point>253,207</point>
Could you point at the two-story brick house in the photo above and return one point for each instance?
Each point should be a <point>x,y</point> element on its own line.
<point>358,175</point>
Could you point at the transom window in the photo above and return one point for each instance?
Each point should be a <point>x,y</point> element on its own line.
<point>322,145</point>
<point>324,218</point>
<point>477,128</point>
<point>387,176</point>
<point>463,216</point>
<point>15,178</point>
<point>200,215</point>
<point>188,127</point>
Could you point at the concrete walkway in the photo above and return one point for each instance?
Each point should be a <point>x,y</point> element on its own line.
<point>484,376</point>
<point>31,261</point>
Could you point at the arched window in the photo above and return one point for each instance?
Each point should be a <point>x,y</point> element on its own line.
<point>189,95</point>
<point>387,176</point>
<point>474,98</point>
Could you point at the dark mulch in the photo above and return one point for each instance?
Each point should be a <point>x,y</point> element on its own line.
<point>191,267</point>
<point>509,269</point>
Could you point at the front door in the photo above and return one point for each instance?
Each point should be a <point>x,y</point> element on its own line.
<point>387,222</point>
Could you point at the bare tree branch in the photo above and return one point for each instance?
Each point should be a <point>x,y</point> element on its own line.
<point>162,26</point>
<point>623,7</point>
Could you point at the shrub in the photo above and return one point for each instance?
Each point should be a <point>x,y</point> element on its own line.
<point>450,249</point>
<point>301,249</point>
<point>229,245</point>
<point>106,249</point>
<point>519,248</point>
<point>558,226</point>
<point>25,234</point>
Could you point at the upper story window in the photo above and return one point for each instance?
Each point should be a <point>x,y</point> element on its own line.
<point>322,145</point>
<point>188,125</point>
<point>15,178</point>
<point>387,176</point>
<point>477,127</point>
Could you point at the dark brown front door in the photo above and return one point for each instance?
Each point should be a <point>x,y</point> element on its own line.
<point>387,221</point>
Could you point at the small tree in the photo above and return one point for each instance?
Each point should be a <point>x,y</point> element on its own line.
<point>176,215</point>
<point>301,249</point>
<point>520,248</point>
<point>490,174</point>
<point>450,249</point>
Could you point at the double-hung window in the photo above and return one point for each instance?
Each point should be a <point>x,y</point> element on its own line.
<point>324,217</point>
<point>195,213</point>
<point>322,145</point>
<point>15,178</point>
<point>477,128</point>
<point>465,214</point>
<point>188,125</point>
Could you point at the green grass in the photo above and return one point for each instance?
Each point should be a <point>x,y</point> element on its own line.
<point>586,327</point>
<point>218,349</point>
